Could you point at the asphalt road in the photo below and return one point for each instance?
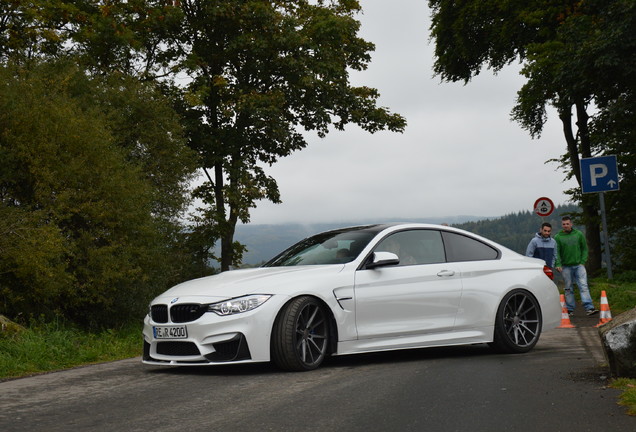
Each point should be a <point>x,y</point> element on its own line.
<point>559,386</point>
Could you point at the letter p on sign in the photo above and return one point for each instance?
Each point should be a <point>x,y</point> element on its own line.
<point>597,171</point>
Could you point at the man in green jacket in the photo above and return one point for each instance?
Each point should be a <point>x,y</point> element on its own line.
<point>570,261</point>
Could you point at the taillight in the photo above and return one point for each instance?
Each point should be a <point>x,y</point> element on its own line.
<point>548,272</point>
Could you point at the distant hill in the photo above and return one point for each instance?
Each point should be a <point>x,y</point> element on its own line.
<point>513,231</point>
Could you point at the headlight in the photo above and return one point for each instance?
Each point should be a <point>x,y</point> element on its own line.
<point>238,305</point>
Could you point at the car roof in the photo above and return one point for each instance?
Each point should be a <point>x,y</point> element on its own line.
<point>397,226</point>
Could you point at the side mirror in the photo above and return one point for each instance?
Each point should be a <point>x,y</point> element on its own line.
<point>381,259</point>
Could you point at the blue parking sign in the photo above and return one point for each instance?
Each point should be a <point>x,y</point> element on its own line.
<point>599,174</point>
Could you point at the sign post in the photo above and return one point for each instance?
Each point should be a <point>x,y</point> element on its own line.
<point>600,174</point>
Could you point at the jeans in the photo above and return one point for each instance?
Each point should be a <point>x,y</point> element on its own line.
<point>578,274</point>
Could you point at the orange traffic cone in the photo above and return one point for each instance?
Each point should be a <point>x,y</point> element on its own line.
<point>565,316</point>
<point>606,314</point>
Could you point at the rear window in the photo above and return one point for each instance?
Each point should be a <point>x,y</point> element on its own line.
<point>462,248</point>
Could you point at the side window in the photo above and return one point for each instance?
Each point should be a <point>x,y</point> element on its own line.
<point>415,247</point>
<point>462,248</point>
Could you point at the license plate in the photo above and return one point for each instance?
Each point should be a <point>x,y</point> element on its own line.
<point>170,332</point>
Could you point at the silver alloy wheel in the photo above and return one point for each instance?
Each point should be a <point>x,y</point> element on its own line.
<point>521,320</point>
<point>518,323</point>
<point>300,337</point>
<point>311,335</point>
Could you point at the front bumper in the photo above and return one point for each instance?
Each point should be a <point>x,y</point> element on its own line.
<point>181,352</point>
<point>213,339</point>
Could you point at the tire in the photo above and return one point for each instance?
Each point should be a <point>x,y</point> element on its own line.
<point>518,323</point>
<point>300,336</point>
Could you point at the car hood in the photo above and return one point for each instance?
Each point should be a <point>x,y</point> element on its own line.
<point>263,280</point>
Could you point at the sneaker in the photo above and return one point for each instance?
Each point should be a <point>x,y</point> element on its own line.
<point>591,311</point>
<point>571,313</point>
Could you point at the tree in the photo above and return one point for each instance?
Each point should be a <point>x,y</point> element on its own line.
<point>594,41</point>
<point>87,212</point>
<point>259,72</point>
<point>27,30</point>
<point>611,51</point>
<point>564,47</point>
<point>94,169</point>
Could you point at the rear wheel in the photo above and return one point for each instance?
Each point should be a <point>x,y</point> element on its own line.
<point>300,335</point>
<point>518,323</point>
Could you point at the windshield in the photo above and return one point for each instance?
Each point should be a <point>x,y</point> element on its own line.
<point>333,247</point>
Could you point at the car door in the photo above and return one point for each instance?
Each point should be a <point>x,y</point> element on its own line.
<point>482,272</point>
<point>421,295</point>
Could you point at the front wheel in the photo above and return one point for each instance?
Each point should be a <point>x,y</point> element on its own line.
<point>518,323</point>
<point>300,335</point>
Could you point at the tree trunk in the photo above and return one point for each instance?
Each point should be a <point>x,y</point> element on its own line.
<point>227,251</point>
<point>590,213</point>
<point>570,139</point>
<point>590,206</point>
<point>593,237</point>
<point>227,226</point>
<point>227,240</point>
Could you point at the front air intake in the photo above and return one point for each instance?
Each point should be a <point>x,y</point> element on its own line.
<point>178,349</point>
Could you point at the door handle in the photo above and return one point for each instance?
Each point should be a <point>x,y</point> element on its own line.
<point>446,273</point>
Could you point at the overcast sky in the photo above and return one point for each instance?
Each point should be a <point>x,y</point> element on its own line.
<point>459,155</point>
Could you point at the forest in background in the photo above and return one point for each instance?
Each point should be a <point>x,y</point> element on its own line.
<point>516,229</point>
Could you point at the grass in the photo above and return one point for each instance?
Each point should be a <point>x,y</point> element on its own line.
<point>54,346</point>
<point>621,296</point>
<point>628,397</point>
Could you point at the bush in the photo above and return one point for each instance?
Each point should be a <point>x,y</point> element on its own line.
<point>92,186</point>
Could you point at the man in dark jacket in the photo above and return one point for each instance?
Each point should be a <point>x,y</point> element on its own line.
<point>543,246</point>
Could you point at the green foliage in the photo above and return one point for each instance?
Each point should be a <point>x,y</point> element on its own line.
<point>614,129</point>
<point>29,29</point>
<point>93,166</point>
<point>149,132</point>
<point>592,58</point>
<point>260,71</point>
<point>578,58</point>
<point>472,34</point>
<point>87,211</point>
<point>66,346</point>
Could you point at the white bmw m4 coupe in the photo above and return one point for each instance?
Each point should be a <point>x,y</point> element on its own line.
<point>356,290</point>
